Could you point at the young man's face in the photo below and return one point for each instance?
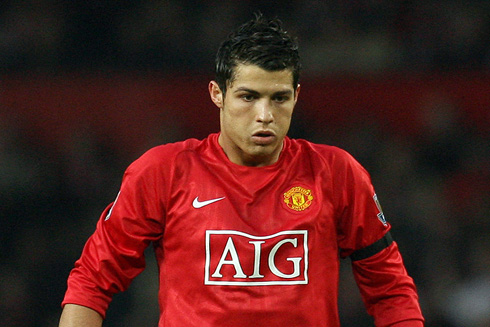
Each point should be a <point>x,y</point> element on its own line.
<point>255,114</point>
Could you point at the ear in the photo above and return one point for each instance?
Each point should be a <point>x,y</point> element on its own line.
<point>296,94</point>
<point>216,94</point>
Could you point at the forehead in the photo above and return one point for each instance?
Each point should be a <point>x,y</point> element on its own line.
<point>253,75</point>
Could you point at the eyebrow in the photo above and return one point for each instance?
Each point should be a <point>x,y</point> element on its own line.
<point>244,89</point>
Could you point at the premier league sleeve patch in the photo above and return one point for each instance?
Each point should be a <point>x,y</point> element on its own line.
<point>380,215</point>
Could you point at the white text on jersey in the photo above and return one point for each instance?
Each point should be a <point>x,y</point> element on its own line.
<point>237,258</point>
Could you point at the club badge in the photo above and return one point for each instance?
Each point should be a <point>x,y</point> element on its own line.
<point>298,198</point>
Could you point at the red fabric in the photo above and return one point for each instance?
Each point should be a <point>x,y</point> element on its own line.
<point>387,291</point>
<point>408,323</point>
<point>266,253</point>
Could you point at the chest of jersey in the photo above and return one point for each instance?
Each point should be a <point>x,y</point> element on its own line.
<point>244,244</point>
<point>249,226</point>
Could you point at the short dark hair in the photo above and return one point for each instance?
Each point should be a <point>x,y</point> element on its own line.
<point>260,42</point>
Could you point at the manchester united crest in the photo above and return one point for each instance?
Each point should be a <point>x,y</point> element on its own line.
<point>298,198</point>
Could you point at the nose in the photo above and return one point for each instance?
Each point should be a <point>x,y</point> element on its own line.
<point>264,112</point>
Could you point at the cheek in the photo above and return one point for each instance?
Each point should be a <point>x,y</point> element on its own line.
<point>233,121</point>
<point>236,115</point>
<point>284,115</point>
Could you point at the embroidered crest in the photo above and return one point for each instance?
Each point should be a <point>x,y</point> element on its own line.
<point>298,198</point>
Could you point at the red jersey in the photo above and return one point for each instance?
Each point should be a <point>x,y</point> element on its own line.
<point>242,246</point>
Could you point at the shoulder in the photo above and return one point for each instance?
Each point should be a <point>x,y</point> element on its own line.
<point>161,156</point>
<point>329,154</point>
<point>170,150</point>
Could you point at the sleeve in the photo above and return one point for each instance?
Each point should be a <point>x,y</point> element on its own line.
<point>388,292</point>
<point>361,228</point>
<point>114,255</point>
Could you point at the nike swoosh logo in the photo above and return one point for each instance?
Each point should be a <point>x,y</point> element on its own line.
<point>199,204</point>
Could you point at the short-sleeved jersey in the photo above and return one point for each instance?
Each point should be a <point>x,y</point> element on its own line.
<point>236,245</point>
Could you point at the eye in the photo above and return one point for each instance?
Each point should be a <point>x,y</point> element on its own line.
<point>281,98</point>
<point>247,97</point>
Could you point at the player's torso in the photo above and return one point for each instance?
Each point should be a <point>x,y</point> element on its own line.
<point>248,243</point>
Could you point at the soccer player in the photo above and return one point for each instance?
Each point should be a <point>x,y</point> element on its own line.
<point>248,225</point>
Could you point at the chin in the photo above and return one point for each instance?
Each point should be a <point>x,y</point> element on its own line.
<point>263,151</point>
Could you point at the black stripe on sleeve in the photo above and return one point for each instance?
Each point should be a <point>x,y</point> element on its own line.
<point>372,249</point>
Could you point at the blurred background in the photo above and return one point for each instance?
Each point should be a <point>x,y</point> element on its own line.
<point>87,86</point>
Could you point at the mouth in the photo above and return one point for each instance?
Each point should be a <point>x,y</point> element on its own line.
<point>263,137</point>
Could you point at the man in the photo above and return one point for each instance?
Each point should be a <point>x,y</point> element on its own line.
<point>247,224</point>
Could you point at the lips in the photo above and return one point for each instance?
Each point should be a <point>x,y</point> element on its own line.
<point>263,137</point>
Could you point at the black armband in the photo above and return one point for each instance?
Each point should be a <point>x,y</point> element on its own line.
<point>372,249</point>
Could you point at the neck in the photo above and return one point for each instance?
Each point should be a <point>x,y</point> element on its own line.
<point>237,156</point>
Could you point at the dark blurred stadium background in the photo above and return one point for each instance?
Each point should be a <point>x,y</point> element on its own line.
<point>87,86</point>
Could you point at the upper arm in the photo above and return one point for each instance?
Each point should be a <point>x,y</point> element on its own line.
<point>114,255</point>
<point>388,292</point>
